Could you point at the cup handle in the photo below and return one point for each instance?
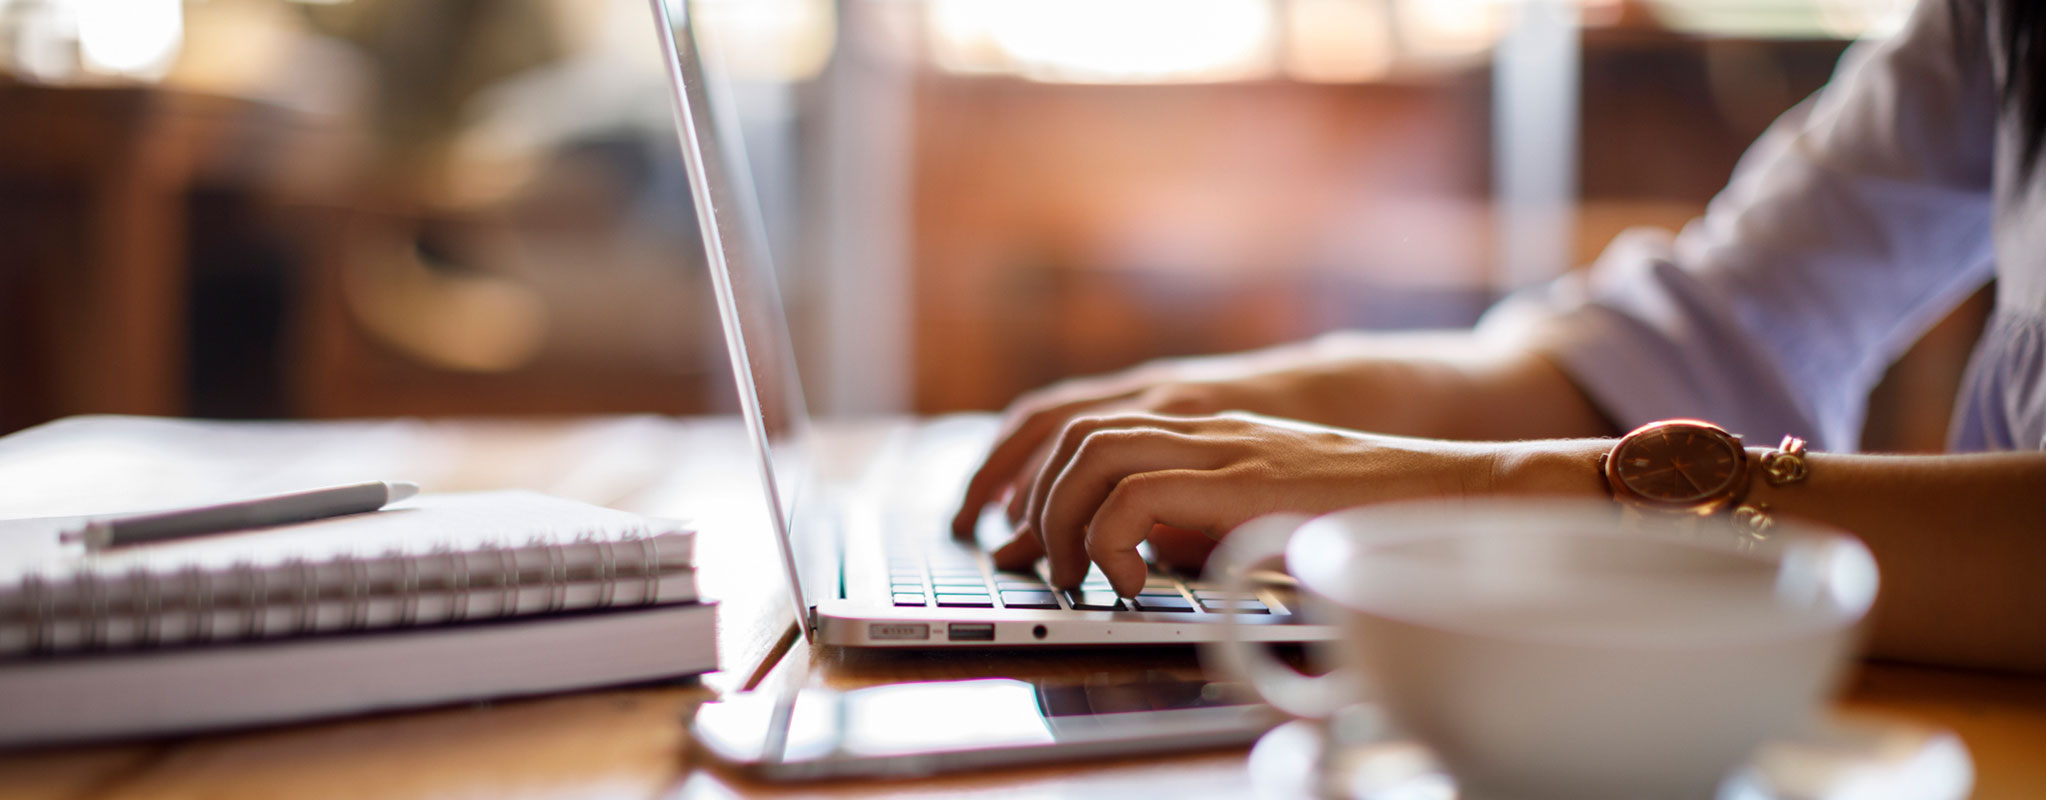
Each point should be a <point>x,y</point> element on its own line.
<point>1253,544</point>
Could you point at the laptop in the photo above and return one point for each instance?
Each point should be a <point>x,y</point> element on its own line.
<point>873,564</point>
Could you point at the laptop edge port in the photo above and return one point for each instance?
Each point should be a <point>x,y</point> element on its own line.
<point>971,632</point>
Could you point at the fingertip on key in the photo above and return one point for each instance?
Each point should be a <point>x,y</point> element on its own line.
<point>1125,587</point>
<point>1018,552</point>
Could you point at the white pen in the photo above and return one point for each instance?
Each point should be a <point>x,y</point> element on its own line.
<point>260,512</point>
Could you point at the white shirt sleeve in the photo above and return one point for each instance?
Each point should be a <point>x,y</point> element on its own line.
<point>1858,220</point>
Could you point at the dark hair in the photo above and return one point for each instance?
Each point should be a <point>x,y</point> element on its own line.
<point>2023,29</point>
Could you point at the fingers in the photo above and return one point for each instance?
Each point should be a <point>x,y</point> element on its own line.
<point>1013,447</point>
<point>1028,432</point>
<point>1097,463</point>
<point>1171,399</point>
<point>1019,553</point>
<point>1179,549</point>
<point>1061,451</point>
<point>1203,500</point>
<point>1032,422</point>
<point>1020,486</point>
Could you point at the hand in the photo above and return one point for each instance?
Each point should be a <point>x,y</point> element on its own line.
<point>1031,426</point>
<point>1111,479</point>
<point>1446,385</point>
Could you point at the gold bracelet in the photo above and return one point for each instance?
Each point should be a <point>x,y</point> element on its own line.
<point>1782,466</point>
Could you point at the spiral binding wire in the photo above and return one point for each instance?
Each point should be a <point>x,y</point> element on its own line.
<point>150,597</point>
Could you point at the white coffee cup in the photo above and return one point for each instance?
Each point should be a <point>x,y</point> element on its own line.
<point>1555,650</point>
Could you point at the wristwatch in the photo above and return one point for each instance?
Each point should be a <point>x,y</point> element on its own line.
<point>1687,469</point>
<point>1679,467</point>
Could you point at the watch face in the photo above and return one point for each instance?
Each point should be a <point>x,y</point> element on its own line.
<point>1678,464</point>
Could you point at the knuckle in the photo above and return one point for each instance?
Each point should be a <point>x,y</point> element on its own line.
<point>1109,431</point>
<point>1238,415</point>
<point>1077,429</point>
<point>1131,493</point>
<point>1106,439</point>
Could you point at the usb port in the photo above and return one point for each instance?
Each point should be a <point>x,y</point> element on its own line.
<point>971,632</point>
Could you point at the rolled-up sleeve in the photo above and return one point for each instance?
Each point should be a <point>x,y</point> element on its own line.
<point>1859,219</point>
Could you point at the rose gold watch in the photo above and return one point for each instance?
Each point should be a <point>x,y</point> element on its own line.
<point>1679,467</point>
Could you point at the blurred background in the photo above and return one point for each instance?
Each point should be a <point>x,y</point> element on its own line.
<point>284,209</point>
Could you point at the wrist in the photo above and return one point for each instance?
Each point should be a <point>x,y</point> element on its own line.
<point>1552,468</point>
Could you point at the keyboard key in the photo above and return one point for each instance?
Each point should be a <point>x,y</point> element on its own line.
<point>1218,594</point>
<point>1094,600</point>
<point>1160,592</point>
<point>902,599</point>
<point>906,588</point>
<point>965,601</point>
<point>1029,600</point>
<point>1035,586</point>
<point>1236,606</point>
<point>1149,603</point>
<point>958,580</point>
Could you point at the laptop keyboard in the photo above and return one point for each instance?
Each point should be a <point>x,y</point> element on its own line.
<point>948,574</point>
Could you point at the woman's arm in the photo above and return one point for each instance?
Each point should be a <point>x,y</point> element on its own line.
<point>1442,385</point>
<point>1960,539</point>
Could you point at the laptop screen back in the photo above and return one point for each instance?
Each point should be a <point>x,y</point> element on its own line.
<point>748,294</point>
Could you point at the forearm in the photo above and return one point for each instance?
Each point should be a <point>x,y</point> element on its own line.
<point>1448,385</point>
<point>1960,539</point>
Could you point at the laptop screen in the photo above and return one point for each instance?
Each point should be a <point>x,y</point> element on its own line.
<point>748,293</point>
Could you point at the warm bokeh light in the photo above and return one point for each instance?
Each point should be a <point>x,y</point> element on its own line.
<point>1338,41</point>
<point>1434,30</point>
<point>136,38</point>
<point>1120,41</point>
<point>777,40</point>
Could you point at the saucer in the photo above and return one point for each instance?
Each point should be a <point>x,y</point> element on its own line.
<point>1841,757</point>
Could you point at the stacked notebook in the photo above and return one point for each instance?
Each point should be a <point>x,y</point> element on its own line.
<point>439,599</point>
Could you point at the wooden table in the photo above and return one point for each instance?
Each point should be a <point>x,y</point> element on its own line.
<point>631,743</point>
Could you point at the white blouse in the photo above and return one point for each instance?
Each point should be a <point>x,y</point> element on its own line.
<point>1858,220</point>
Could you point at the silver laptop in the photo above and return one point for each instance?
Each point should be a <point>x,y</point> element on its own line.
<point>872,564</point>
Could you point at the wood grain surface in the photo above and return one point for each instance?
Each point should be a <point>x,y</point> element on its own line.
<point>632,743</point>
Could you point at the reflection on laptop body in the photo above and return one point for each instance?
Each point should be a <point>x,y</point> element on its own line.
<point>875,566</point>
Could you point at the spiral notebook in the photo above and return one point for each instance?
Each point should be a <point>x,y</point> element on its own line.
<point>432,560</point>
<point>439,599</point>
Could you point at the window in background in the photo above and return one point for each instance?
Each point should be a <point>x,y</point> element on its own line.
<point>1785,19</point>
<point>1098,183</point>
<point>1206,41</point>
